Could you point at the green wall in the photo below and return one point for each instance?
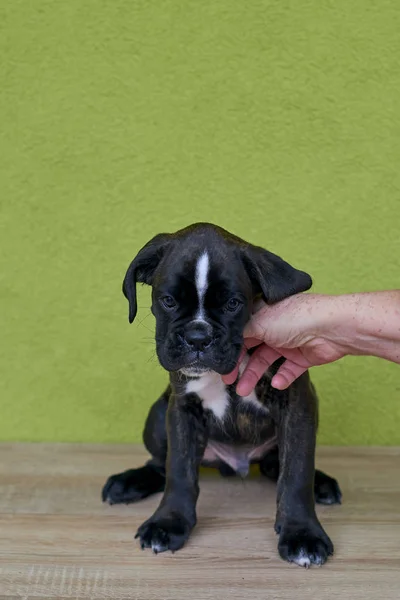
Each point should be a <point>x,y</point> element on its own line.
<point>278,120</point>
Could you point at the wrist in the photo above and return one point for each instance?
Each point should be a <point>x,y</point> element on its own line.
<point>333,321</point>
<point>361,324</point>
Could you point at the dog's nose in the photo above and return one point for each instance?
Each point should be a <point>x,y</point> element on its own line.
<point>198,336</point>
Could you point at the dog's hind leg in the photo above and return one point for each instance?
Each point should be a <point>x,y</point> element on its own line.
<point>135,484</point>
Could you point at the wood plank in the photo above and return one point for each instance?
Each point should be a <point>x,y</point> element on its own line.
<point>59,541</point>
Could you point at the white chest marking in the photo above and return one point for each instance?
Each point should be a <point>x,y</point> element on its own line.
<point>212,392</point>
<point>201,277</point>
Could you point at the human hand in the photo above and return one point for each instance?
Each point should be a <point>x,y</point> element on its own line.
<point>293,329</point>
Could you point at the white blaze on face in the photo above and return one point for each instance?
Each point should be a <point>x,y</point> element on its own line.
<point>201,278</point>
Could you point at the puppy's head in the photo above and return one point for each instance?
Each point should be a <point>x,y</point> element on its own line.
<point>204,283</point>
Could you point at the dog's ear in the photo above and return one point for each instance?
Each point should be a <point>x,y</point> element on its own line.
<point>271,276</point>
<point>142,268</point>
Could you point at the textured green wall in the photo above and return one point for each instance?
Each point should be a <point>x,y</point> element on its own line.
<point>277,120</point>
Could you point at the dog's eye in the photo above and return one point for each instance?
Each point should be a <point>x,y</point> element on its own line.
<point>168,302</point>
<point>233,304</point>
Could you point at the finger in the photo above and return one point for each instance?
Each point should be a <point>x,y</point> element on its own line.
<point>256,327</point>
<point>287,374</point>
<point>259,362</point>
<point>253,329</point>
<point>232,376</point>
<point>250,342</point>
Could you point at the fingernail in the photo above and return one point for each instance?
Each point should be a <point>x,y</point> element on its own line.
<point>278,383</point>
<point>242,390</point>
<point>274,383</point>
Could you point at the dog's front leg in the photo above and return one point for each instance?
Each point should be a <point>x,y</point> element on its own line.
<point>171,524</point>
<point>301,537</point>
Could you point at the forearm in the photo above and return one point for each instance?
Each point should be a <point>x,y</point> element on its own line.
<point>363,324</point>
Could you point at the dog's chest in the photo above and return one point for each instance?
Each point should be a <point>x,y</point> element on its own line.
<point>216,397</point>
<point>241,430</point>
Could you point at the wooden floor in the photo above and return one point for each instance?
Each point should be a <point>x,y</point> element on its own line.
<point>57,540</point>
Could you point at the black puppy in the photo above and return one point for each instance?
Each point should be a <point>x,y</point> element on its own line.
<point>205,282</point>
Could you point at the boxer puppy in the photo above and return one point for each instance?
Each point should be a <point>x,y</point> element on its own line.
<point>205,282</point>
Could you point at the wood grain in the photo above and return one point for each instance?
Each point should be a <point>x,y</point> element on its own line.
<point>58,540</point>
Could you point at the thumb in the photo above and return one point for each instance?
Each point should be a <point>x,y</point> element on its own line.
<point>257,327</point>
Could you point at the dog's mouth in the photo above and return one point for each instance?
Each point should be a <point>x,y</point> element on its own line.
<point>194,371</point>
<point>196,364</point>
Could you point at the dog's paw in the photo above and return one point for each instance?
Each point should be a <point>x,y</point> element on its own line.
<point>304,545</point>
<point>132,485</point>
<point>326,489</point>
<point>161,533</point>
